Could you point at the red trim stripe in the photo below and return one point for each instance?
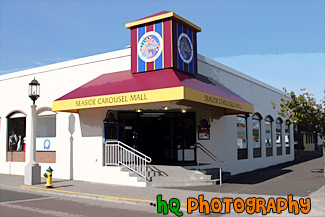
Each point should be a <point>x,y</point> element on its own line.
<point>175,51</point>
<point>134,52</point>
<point>167,44</point>
<point>150,65</point>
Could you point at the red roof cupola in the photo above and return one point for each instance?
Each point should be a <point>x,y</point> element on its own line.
<point>161,41</point>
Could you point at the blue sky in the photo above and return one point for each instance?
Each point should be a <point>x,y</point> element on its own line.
<point>281,43</point>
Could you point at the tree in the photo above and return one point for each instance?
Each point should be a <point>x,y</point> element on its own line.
<point>304,111</point>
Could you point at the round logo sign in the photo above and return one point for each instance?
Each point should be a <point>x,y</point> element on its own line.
<point>150,46</point>
<point>185,48</point>
<point>47,144</point>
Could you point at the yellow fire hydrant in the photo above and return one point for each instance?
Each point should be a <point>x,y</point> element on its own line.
<point>48,176</point>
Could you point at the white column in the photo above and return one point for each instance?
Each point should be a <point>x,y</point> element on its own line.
<point>32,169</point>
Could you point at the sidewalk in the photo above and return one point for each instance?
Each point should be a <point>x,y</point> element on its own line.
<point>301,174</point>
<point>300,178</point>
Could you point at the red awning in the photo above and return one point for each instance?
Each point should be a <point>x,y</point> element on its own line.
<point>125,88</point>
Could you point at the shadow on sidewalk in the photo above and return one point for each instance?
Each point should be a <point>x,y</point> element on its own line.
<point>321,171</point>
<point>262,175</point>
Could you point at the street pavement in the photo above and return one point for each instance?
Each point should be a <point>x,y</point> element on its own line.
<point>302,179</point>
<point>14,204</point>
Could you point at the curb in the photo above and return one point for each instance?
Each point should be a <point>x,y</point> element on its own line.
<point>92,196</point>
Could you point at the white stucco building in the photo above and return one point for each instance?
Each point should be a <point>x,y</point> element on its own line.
<point>86,102</point>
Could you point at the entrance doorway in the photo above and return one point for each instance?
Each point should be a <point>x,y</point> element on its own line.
<point>168,138</point>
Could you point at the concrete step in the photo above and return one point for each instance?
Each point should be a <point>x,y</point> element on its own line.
<point>134,175</point>
<point>172,176</point>
<point>196,177</point>
<point>159,170</point>
<point>176,176</point>
<point>215,174</point>
<point>180,183</point>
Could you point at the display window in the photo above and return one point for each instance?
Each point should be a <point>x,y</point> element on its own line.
<point>16,132</point>
<point>287,136</point>
<point>242,150</point>
<point>278,130</point>
<point>256,134</point>
<point>16,136</point>
<point>268,136</point>
<point>46,130</point>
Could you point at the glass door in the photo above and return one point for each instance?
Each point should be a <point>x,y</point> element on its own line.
<point>185,137</point>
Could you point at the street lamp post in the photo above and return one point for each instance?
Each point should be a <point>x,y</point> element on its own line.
<point>32,169</point>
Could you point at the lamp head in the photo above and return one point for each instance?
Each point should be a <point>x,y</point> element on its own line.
<point>34,90</point>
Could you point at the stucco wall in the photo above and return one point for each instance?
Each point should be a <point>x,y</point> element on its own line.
<point>79,137</point>
<point>56,80</point>
<point>223,142</point>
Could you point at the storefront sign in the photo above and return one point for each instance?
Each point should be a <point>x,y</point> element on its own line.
<point>214,100</point>
<point>46,144</point>
<point>204,130</point>
<point>204,134</point>
<point>222,102</point>
<point>149,96</point>
<point>112,99</point>
<point>165,94</point>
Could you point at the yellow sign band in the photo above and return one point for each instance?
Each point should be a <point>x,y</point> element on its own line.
<point>210,99</point>
<point>139,97</point>
<point>150,96</point>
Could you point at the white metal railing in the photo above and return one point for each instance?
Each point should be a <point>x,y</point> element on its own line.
<point>212,156</point>
<point>118,153</point>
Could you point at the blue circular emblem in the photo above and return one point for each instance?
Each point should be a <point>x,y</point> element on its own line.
<point>46,144</point>
<point>185,48</point>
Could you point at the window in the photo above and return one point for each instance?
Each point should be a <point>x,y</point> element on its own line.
<point>296,136</point>
<point>268,136</point>
<point>278,130</point>
<point>287,136</point>
<point>256,133</point>
<point>309,138</point>
<point>46,126</point>
<point>242,137</point>
<point>46,130</point>
<point>16,131</point>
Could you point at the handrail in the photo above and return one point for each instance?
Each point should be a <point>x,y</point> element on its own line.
<point>129,147</point>
<point>118,153</point>
<point>207,152</point>
<point>212,156</point>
